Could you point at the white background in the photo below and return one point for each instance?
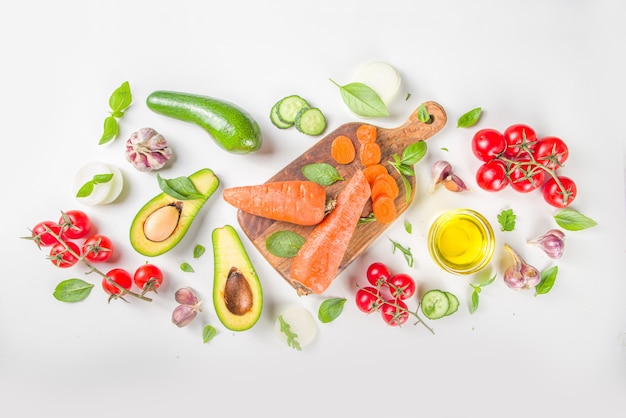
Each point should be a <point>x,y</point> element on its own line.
<point>555,65</point>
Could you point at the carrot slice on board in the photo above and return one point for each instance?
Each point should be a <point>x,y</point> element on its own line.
<point>370,153</point>
<point>318,260</point>
<point>385,184</point>
<point>384,209</point>
<point>342,149</point>
<point>366,133</point>
<point>372,171</point>
<point>299,202</point>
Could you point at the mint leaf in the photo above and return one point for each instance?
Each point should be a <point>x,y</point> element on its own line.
<point>506,219</point>
<point>362,99</point>
<point>470,118</point>
<point>573,221</point>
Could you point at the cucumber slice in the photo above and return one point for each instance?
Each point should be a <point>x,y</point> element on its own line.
<point>435,304</point>
<point>276,120</point>
<point>453,304</point>
<point>288,108</point>
<point>310,121</point>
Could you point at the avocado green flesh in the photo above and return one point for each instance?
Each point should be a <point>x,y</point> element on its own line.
<point>230,255</point>
<point>231,127</point>
<point>205,181</point>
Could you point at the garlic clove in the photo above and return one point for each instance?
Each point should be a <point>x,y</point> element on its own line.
<point>186,296</point>
<point>439,171</point>
<point>147,150</point>
<point>184,314</point>
<point>552,243</point>
<point>520,275</point>
<point>455,184</point>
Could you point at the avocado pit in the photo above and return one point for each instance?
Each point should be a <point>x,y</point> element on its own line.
<point>238,295</point>
<point>161,223</point>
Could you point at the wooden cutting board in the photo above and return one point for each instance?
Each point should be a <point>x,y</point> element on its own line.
<point>391,140</point>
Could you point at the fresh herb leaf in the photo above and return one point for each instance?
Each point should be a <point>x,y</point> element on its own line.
<point>330,309</point>
<point>87,188</point>
<point>407,226</point>
<point>470,118</point>
<point>72,290</point>
<point>506,219</point>
<point>292,338</point>
<point>573,221</point>
<point>208,332</point>
<point>412,154</point>
<point>111,130</point>
<point>476,291</point>
<point>186,267</point>
<point>198,251</point>
<point>422,114</point>
<point>444,149</point>
<point>321,173</point>
<point>284,243</point>
<point>362,100</point>
<point>367,219</point>
<point>179,188</point>
<point>120,99</point>
<point>404,165</point>
<point>548,277</point>
<point>408,95</point>
<point>408,256</point>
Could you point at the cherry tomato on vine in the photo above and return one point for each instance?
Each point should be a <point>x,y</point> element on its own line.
<point>378,273</point>
<point>148,277</point>
<point>488,144</point>
<point>526,177</point>
<point>402,286</point>
<point>518,137</point>
<point>75,224</point>
<point>63,257</point>
<point>119,276</point>
<point>41,235</point>
<point>368,299</point>
<point>557,197</point>
<point>394,312</point>
<point>491,176</point>
<point>97,248</point>
<point>551,152</point>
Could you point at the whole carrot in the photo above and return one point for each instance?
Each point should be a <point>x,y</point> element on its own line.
<point>316,264</point>
<point>299,202</point>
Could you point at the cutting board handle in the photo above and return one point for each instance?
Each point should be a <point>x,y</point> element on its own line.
<point>414,130</point>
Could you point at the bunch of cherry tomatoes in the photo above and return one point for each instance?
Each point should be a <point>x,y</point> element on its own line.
<point>65,251</point>
<point>386,293</point>
<point>516,157</point>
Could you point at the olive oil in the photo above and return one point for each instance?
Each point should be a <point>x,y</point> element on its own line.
<point>461,241</point>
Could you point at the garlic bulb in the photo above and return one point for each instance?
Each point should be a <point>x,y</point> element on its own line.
<point>520,275</point>
<point>147,150</point>
<point>552,243</point>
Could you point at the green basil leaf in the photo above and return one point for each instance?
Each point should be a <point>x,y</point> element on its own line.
<point>474,303</point>
<point>72,290</point>
<point>284,243</point>
<point>121,98</point>
<point>548,277</point>
<point>186,267</point>
<point>573,221</point>
<point>111,130</point>
<point>86,189</point>
<point>198,251</point>
<point>506,219</point>
<point>422,114</point>
<point>179,188</point>
<point>321,173</point>
<point>470,118</point>
<point>330,309</point>
<point>102,178</point>
<point>362,100</point>
<point>408,227</point>
<point>208,332</point>
<point>414,152</point>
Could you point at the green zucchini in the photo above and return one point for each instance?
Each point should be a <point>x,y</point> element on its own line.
<point>231,127</point>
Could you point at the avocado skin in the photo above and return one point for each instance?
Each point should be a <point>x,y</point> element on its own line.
<point>205,181</point>
<point>229,253</point>
<point>231,127</point>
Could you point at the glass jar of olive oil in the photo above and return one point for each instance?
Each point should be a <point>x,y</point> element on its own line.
<point>461,241</point>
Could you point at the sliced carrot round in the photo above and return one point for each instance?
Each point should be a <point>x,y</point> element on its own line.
<point>366,133</point>
<point>384,209</point>
<point>385,184</point>
<point>370,153</point>
<point>373,171</point>
<point>342,149</point>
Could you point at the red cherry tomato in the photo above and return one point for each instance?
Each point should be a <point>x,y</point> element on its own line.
<point>394,312</point>
<point>488,144</point>
<point>402,286</point>
<point>97,248</point>
<point>41,235</point>
<point>526,177</point>
<point>75,224</point>
<point>551,152</point>
<point>378,274</point>
<point>119,276</point>
<point>368,299</point>
<point>148,277</point>
<point>519,138</point>
<point>491,176</point>
<point>557,197</point>
<point>63,257</point>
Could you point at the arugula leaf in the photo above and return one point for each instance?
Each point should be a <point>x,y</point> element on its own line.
<point>548,277</point>
<point>573,221</point>
<point>362,99</point>
<point>284,243</point>
<point>292,338</point>
<point>408,256</point>
<point>330,309</point>
<point>72,290</point>
<point>506,219</point>
<point>179,188</point>
<point>469,118</point>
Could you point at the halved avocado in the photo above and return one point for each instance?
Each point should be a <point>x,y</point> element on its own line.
<point>237,292</point>
<point>162,222</point>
